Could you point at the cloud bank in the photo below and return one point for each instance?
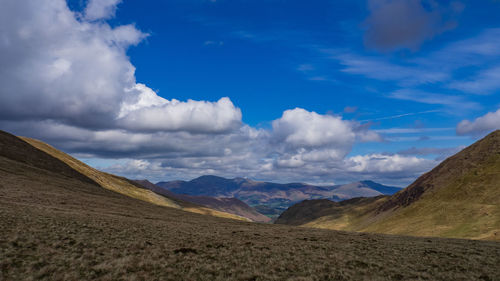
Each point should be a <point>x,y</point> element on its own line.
<point>65,78</point>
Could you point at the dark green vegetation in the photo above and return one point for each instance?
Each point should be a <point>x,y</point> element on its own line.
<point>459,198</point>
<point>272,199</point>
<point>57,224</point>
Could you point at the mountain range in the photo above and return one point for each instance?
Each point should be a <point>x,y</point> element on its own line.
<point>228,205</point>
<point>459,198</point>
<point>273,198</point>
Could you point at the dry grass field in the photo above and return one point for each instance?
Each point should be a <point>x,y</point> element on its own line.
<point>56,224</point>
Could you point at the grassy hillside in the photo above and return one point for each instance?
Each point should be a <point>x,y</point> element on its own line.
<point>123,185</point>
<point>460,198</point>
<point>57,224</point>
<point>342,212</point>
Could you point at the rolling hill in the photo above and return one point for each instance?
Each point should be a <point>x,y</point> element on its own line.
<point>117,184</point>
<point>59,224</point>
<point>459,198</point>
<point>272,198</point>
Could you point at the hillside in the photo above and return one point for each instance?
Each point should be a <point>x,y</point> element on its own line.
<point>58,224</point>
<point>310,210</point>
<point>227,205</point>
<point>119,184</point>
<point>459,198</point>
<point>273,198</point>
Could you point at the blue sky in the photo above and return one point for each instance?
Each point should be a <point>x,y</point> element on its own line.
<point>321,92</point>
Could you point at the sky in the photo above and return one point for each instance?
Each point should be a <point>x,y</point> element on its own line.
<point>323,92</point>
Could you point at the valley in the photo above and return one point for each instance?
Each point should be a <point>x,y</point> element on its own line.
<point>57,224</point>
<point>271,199</point>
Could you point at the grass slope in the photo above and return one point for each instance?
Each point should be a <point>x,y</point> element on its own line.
<point>123,185</point>
<point>460,198</point>
<point>57,224</point>
<point>342,212</point>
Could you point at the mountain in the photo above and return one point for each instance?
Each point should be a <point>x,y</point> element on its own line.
<point>459,198</point>
<point>56,223</point>
<point>108,181</point>
<point>227,205</point>
<point>273,198</point>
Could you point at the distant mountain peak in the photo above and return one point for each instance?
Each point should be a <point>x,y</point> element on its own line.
<point>208,177</point>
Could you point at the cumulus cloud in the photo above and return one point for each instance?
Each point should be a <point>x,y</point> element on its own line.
<point>150,112</point>
<point>50,69</point>
<point>303,137</point>
<point>480,125</point>
<point>407,23</point>
<point>301,128</point>
<point>57,67</point>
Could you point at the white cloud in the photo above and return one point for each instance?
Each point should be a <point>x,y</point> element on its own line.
<point>378,163</point>
<point>57,67</point>
<point>150,112</point>
<point>101,9</point>
<point>301,128</point>
<point>49,66</point>
<point>480,125</point>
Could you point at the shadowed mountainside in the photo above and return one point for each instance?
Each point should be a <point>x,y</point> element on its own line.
<point>309,210</point>
<point>459,198</point>
<point>57,224</point>
<point>227,205</point>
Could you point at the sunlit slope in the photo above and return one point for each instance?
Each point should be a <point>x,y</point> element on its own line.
<point>460,198</point>
<point>124,186</point>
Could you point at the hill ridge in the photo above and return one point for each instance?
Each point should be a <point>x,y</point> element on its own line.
<point>44,156</point>
<point>460,198</point>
